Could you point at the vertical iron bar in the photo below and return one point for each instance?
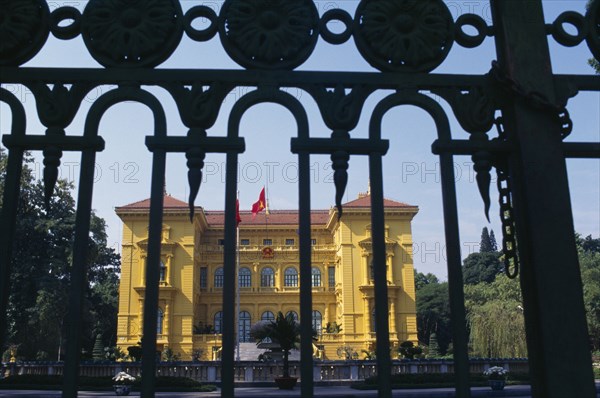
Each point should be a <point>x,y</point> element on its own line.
<point>152,274</point>
<point>10,204</point>
<point>544,220</point>
<point>229,287</point>
<point>306,358</point>
<point>78,273</point>
<point>384,365</point>
<point>455,278</point>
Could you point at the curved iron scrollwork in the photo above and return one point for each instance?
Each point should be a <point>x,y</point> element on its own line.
<point>341,112</point>
<point>474,110</point>
<point>407,39</point>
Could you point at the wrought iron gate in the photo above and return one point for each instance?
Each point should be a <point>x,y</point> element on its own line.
<point>403,40</point>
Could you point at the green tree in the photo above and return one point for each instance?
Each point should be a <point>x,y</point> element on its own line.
<point>495,318</point>
<point>433,310</point>
<point>589,263</point>
<point>41,261</point>
<point>284,330</point>
<point>485,246</point>
<point>433,348</point>
<point>98,351</point>
<point>481,267</point>
<point>493,243</point>
<point>424,279</point>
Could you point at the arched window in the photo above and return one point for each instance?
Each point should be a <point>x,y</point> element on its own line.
<point>290,277</point>
<point>219,277</point>
<point>244,329</point>
<point>245,277</point>
<point>219,322</point>
<point>163,272</point>
<point>159,322</point>
<point>294,314</point>
<point>267,277</point>
<point>315,275</point>
<point>267,316</point>
<point>317,322</point>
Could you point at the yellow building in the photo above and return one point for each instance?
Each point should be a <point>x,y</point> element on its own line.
<point>191,276</point>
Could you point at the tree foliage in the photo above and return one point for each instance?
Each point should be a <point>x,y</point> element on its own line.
<point>485,245</point>
<point>495,318</point>
<point>589,263</point>
<point>433,310</point>
<point>284,330</point>
<point>40,272</point>
<point>481,267</point>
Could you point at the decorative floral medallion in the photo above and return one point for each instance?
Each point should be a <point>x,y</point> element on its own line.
<point>269,34</point>
<point>132,33</point>
<point>23,30</point>
<point>403,35</point>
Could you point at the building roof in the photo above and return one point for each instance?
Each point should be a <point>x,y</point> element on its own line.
<point>169,202</point>
<point>275,217</point>
<point>364,200</point>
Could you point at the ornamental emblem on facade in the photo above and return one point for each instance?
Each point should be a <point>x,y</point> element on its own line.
<point>268,252</point>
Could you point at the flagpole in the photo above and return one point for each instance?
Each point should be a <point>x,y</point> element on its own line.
<point>237,273</point>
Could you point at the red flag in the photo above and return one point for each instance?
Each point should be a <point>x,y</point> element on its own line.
<point>238,219</point>
<point>260,204</point>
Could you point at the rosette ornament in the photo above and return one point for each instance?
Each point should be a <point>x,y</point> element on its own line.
<point>23,30</point>
<point>132,33</point>
<point>269,34</point>
<point>403,35</point>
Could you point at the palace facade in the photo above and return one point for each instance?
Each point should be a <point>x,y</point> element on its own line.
<point>191,276</point>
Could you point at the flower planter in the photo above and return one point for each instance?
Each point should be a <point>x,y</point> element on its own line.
<point>286,383</point>
<point>497,385</point>
<point>122,389</point>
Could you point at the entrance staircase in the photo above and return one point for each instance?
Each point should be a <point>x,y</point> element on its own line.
<point>250,352</point>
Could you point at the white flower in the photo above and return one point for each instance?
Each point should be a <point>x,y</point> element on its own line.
<point>495,371</point>
<point>123,377</point>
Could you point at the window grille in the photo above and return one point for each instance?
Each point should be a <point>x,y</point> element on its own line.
<point>245,277</point>
<point>290,277</point>
<point>267,277</point>
<point>219,275</point>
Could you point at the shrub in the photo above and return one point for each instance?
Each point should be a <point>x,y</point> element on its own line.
<point>408,350</point>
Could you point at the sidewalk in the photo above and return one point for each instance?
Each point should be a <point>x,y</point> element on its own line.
<point>522,391</point>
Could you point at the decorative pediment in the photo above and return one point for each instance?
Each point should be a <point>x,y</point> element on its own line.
<point>167,246</point>
<point>367,245</point>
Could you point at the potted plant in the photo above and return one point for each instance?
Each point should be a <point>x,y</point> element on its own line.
<point>496,377</point>
<point>122,383</point>
<point>285,331</point>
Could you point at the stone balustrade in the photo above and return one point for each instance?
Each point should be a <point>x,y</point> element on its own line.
<point>252,371</point>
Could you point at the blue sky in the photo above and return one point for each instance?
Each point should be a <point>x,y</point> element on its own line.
<point>411,172</point>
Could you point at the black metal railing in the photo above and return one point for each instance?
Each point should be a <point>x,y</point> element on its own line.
<point>521,86</point>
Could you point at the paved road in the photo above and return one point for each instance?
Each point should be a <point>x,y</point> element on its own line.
<point>267,392</point>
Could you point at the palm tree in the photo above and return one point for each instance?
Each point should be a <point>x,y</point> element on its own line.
<point>284,330</point>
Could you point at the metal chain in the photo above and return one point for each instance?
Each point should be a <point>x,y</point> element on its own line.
<point>509,243</point>
<point>535,99</point>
